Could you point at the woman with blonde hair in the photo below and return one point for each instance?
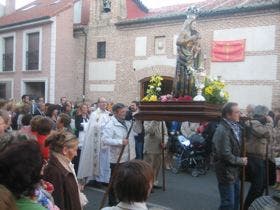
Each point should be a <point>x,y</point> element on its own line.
<point>60,171</point>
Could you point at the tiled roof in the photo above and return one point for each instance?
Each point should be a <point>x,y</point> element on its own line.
<point>208,6</point>
<point>42,8</point>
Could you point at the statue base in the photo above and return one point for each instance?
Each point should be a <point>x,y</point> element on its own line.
<point>193,111</point>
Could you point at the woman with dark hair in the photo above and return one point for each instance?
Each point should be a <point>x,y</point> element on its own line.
<point>52,113</point>
<point>81,118</point>
<point>43,130</point>
<point>81,122</point>
<point>60,171</point>
<point>133,183</point>
<point>20,165</point>
<point>25,121</point>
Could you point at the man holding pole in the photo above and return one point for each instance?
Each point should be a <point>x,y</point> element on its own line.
<point>154,145</point>
<point>227,151</point>
<point>121,142</point>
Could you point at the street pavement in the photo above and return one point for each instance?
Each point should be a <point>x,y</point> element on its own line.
<point>183,192</point>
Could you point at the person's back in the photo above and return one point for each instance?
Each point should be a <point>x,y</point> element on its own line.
<point>259,131</point>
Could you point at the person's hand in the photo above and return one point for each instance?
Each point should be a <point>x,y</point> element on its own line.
<point>269,119</point>
<point>125,142</point>
<point>244,160</point>
<point>243,115</point>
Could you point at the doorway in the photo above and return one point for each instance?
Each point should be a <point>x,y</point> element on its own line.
<point>166,88</point>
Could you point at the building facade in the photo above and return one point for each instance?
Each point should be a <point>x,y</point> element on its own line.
<point>129,43</point>
<point>93,48</point>
<point>40,55</point>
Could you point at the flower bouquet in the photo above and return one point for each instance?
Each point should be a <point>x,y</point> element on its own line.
<point>214,91</point>
<point>153,92</point>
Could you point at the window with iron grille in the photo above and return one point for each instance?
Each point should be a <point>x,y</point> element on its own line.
<point>32,53</point>
<point>5,90</point>
<point>101,49</point>
<point>8,55</point>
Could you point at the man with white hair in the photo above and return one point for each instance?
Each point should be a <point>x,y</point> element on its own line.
<point>94,162</point>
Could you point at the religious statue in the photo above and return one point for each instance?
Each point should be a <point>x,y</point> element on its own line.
<point>189,57</point>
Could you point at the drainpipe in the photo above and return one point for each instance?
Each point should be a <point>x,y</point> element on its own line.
<point>85,65</point>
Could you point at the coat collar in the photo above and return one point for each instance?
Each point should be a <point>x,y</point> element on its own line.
<point>227,126</point>
<point>134,206</point>
<point>55,162</point>
<point>117,123</point>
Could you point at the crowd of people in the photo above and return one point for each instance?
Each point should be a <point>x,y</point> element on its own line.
<point>49,152</point>
<point>251,140</point>
<point>56,149</point>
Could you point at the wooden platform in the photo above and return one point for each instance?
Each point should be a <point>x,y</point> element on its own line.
<point>178,111</point>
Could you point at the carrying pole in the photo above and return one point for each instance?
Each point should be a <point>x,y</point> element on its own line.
<point>102,203</point>
<point>266,171</point>
<point>163,158</point>
<point>243,175</point>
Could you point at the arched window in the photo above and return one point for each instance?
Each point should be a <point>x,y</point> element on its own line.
<point>166,88</point>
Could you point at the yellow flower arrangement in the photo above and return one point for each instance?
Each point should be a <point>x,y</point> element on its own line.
<point>209,90</point>
<point>214,91</point>
<point>154,89</point>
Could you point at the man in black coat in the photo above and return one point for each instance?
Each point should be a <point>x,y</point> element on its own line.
<point>227,151</point>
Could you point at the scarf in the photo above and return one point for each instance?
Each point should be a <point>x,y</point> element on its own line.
<point>235,128</point>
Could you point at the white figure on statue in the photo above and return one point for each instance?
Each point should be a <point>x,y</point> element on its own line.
<point>94,161</point>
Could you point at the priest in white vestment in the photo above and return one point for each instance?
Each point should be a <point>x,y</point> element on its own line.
<point>94,161</point>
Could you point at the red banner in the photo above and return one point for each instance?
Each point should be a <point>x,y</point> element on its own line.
<point>228,51</point>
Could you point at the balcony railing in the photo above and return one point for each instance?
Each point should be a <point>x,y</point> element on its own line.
<point>8,62</point>
<point>32,60</point>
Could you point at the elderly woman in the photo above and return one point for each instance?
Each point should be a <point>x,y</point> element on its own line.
<point>60,171</point>
<point>133,183</point>
<point>20,166</point>
<point>258,141</point>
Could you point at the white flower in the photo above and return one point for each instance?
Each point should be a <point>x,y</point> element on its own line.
<point>152,87</point>
<point>158,89</point>
<point>222,94</point>
<point>191,69</point>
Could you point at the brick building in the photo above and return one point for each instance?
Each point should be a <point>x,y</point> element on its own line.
<point>94,48</point>
<point>39,54</point>
<point>127,43</point>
